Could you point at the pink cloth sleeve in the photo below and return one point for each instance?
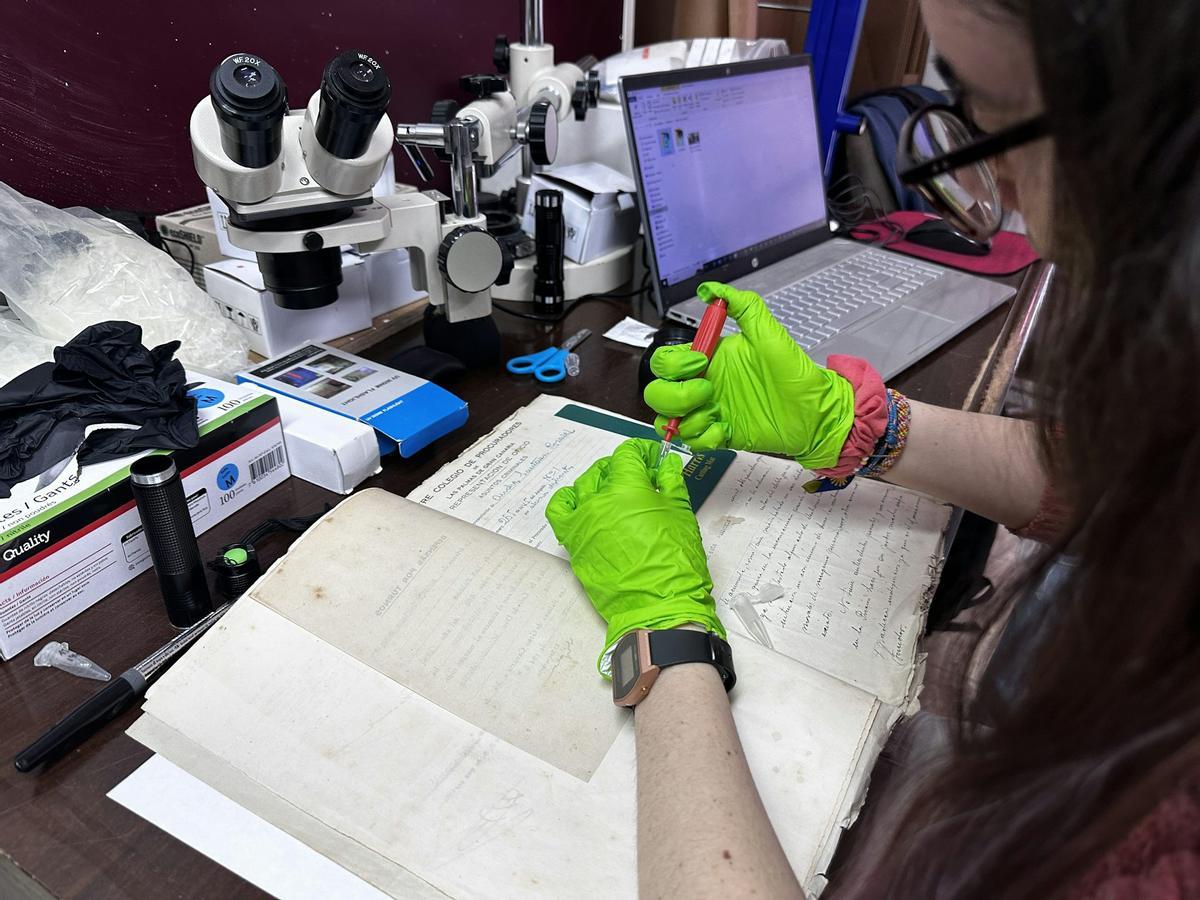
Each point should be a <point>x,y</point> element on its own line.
<point>1158,860</point>
<point>870,413</point>
<point>1050,519</point>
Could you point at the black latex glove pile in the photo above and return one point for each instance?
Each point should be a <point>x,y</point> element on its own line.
<point>102,375</point>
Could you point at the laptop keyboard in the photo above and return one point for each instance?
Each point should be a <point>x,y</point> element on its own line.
<point>820,305</point>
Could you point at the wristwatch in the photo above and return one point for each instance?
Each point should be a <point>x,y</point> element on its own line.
<point>640,655</point>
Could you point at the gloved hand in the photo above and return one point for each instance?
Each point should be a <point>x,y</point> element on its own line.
<point>761,391</point>
<point>634,544</point>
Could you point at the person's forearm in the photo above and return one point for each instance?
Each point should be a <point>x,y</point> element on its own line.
<point>702,830</point>
<point>987,464</point>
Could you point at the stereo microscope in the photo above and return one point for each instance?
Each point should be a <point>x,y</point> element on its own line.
<point>298,184</point>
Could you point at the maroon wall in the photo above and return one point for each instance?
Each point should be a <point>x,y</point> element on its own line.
<point>95,94</point>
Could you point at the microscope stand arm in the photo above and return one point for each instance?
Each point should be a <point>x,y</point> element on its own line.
<point>416,225</point>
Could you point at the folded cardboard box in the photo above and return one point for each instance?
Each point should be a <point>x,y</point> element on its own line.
<point>70,543</point>
<point>332,451</point>
<point>389,281</point>
<point>238,289</point>
<point>599,210</point>
<point>407,412</point>
<point>190,236</point>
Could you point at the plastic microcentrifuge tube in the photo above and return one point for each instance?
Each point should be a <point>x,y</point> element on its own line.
<point>61,656</point>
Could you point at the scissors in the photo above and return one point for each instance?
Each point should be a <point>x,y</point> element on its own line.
<point>549,365</point>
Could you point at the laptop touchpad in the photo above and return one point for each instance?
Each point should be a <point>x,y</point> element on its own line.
<point>892,341</point>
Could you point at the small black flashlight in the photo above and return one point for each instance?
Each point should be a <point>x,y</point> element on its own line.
<point>550,235</point>
<point>158,492</point>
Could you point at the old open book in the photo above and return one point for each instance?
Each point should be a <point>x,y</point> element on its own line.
<point>412,690</point>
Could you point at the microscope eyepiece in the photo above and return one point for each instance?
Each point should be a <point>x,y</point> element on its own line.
<point>250,100</point>
<point>247,75</point>
<point>354,95</point>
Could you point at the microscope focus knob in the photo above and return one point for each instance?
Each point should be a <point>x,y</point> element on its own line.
<point>470,259</point>
<point>542,133</point>
<point>443,111</point>
<point>579,100</point>
<point>507,264</point>
<point>481,86</point>
<point>593,82</point>
<point>500,53</point>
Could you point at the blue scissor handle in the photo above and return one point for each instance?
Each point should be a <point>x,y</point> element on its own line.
<point>548,366</point>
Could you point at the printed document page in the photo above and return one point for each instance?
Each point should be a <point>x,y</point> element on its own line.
<point>837,580</point>
<point>504,480</point>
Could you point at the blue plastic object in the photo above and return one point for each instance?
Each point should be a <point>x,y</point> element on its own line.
<point>834,27</point>
<point>548,366</point>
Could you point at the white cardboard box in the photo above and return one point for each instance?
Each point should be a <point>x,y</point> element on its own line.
<point>237,287</point>
<point>332,451</point>
<point>190,236</point>
<point>389,281</point>
<point>599,211</point>
<point>65,546</point>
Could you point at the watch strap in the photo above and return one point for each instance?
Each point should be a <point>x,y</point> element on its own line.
<point>673,646</point>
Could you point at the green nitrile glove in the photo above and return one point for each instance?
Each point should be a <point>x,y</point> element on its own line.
<point>761,392</point>
<point>634,543</point>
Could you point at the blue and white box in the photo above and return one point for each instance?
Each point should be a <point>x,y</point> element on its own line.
<point>408,413</point>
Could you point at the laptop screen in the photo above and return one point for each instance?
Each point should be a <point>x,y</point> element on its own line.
<point>728,163</point>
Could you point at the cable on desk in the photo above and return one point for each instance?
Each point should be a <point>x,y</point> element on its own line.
<point>852,205</point>
<point>271,526</point>
<point>610,297</point>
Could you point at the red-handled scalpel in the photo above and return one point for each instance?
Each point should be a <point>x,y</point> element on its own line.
<point>712,323</point>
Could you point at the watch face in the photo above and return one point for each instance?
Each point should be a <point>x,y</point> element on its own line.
<point>625,665</point>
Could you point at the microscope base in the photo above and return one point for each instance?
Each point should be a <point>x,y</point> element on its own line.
<point>476,341</point>
<point>606,273</point>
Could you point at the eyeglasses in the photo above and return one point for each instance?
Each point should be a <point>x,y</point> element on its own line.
<point>944,156</point>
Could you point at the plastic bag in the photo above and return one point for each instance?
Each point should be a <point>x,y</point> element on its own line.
<point>20,348</point>
<point>63,270</point>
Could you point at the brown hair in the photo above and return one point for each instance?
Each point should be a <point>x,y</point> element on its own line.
<point>1107,723</point>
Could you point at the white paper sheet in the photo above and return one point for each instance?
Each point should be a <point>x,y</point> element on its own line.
<point>418,800</point>
<point>386,875</point>
<point>851,569</point>
<point>632,332</point>
<point>204,819</point>
<point>489,629</point>
<point>466,812</point>
<point>595,178</point>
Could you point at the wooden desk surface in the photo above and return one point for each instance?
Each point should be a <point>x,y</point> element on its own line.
<point>61,836</point>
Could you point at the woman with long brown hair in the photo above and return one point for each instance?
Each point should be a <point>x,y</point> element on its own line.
<point>1086,781</point>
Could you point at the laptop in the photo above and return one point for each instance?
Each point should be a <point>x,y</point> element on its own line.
<point>728,167</point>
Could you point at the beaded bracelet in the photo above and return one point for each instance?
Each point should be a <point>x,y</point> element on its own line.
<point>891,444</point>
<point>887,449</point>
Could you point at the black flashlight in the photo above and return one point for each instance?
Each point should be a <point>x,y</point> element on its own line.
<point>550,235</point>
<point>237,567</point>
<point>158,492</point>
